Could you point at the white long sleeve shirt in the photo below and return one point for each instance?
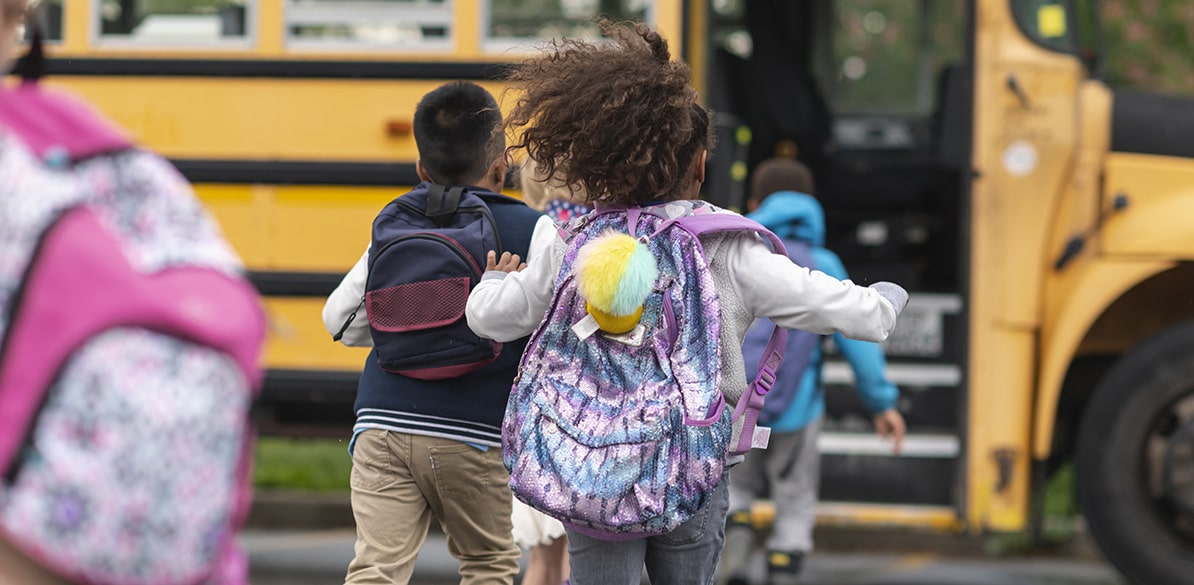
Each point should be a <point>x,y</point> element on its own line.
<point>751,282</point>
<point>346,299</point>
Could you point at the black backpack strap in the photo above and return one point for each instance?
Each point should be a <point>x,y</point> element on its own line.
<point>33,64</point>
<point>442,203</point>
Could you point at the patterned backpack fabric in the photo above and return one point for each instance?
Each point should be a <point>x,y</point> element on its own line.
<point>427,253</point>
<point>129,343</point>
<point>624,436</point>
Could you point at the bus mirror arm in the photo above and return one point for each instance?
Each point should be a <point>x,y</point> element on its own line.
<point>1072,249</point>
<point>1075,245</point>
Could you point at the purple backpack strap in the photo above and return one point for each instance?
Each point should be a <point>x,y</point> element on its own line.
<point>751,403</point>
<point>49,121</point>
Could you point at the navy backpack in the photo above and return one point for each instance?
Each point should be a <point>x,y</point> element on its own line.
<point>427,254</point>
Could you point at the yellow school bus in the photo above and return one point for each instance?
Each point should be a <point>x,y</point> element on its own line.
<point>293,118</point>
<point>967,149</point>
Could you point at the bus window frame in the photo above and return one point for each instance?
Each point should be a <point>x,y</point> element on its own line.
<point>1094,62</point>
<point>437,47</point>
<point>518,45</point>
<point>34,18</point>
<point>1070,34</point>
<point>99,40</point>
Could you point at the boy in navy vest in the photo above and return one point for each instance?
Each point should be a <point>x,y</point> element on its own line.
<point>424,448</point>
<point>789,469</point>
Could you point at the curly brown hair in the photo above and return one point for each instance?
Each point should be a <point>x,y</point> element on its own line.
<point>618,120</point>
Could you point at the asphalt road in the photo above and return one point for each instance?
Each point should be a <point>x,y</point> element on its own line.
<point>319,558</point>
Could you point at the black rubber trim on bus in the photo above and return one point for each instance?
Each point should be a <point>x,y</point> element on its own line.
<point>295,284</point>
<point>307,403</point>
<point>270,68</point>
<point>889,480</point>
<point>1149,123</point>
<point>320,386</point>
<point>297,172</point>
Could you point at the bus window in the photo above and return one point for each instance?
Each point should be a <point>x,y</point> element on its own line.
<point>515,23</point>
<point>424,24</point>
<point>47,15</point>
<point>174,22</point>
<point>884,55</point>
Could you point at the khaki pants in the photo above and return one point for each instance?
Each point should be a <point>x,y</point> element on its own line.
<point>399,481</point>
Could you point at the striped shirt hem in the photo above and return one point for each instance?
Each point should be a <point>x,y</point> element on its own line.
<point>430,426</point>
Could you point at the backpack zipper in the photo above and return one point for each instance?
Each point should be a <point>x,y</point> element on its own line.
<point>435,237</point>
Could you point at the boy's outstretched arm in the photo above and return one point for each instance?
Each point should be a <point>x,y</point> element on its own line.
<point>890,425</point>
<point>878,394</point>
<point>866,359</point>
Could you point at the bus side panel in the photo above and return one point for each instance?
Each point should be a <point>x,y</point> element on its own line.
<point>262,118</point>
<point>1160,201</point>
<point>1080,296</point>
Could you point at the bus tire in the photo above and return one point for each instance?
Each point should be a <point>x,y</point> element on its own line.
<point>1111,463</point>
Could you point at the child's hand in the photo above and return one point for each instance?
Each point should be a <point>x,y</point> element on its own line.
<point>890,424</point>
<point>508,263</point>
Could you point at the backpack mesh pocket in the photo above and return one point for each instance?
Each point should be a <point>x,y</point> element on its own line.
<point>417,305</point>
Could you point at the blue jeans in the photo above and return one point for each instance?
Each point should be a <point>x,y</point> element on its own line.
<point>685,556</point>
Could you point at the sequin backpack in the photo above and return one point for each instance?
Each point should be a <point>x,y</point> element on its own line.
<point>129,342</point>
<point>620,430</point>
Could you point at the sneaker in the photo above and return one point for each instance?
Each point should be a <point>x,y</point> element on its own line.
<point>735,556</point>
<point>783,568</point>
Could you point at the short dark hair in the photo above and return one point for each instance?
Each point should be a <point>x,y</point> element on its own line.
<point>780,174</point>
<point>458,131</point>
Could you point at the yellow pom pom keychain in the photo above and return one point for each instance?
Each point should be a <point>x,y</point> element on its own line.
<point>614,274</point>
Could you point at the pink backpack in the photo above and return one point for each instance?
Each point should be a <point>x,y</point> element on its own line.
<point>129,342</point>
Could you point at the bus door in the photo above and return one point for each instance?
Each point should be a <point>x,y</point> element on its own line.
<point>875,96</point>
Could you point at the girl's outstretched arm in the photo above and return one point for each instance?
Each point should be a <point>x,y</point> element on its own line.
<point>771,286</point>
<point>508,305</point>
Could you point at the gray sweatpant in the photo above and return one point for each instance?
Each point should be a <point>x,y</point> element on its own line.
<point>789,472</point>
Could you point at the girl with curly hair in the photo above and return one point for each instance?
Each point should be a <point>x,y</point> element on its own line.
<point>620,122</point>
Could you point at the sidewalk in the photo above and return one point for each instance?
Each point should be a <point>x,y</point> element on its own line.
<point>307,558</point>
<point>306,512</point>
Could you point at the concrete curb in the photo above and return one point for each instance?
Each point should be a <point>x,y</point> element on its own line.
<point>275,510</point>
<point>296,510</point>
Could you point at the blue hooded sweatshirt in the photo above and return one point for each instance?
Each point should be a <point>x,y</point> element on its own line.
<point>799,217</point>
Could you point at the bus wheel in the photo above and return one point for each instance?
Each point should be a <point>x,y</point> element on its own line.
<point>1135,460</point>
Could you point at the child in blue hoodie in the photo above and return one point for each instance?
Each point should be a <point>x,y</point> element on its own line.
<point>789,470</point>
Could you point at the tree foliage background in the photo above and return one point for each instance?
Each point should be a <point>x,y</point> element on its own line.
<point>1149,44</point>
